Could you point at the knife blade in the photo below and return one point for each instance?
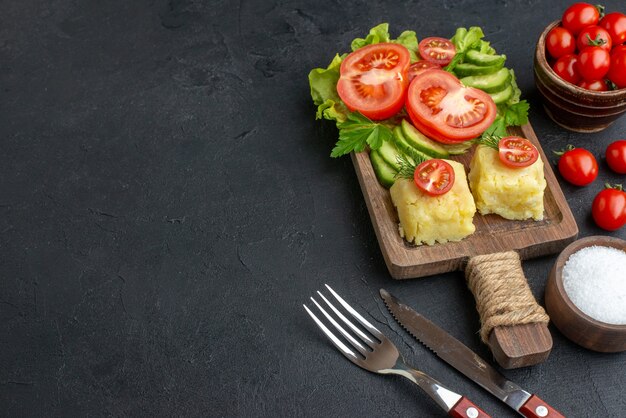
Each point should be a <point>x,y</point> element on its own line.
<point>459,356</point>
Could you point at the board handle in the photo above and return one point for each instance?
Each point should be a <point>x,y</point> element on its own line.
<point>513,324</point>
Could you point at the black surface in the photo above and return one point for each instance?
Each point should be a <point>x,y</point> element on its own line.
<point>167,204</point>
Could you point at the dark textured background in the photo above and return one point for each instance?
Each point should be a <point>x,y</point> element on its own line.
<point>167,204</point>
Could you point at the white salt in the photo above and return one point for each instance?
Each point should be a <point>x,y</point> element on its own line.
<point>595,280</point>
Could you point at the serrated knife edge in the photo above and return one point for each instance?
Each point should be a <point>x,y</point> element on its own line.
<point>466,361</point>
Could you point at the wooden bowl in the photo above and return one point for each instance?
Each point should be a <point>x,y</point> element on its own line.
<point>570,106</point>
<point>571,321</point>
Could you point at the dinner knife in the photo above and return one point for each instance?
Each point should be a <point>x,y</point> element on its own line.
<point>459,356</point>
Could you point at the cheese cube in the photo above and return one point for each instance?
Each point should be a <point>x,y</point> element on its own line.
<point>429,219</point>
<point>513,193</point>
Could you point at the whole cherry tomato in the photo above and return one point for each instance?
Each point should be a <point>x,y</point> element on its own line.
<point>616,156</point>
<point>594,36</point>
<point>615,24</point>
<point>566,68</point>
<point>578,166</point>
<point>609,208</point>
<point>560,42</point>
<point>617,49</point>
<point>594,85</point>
<point>578,16</point>
<point>593,63</point>
<point>617,70</point>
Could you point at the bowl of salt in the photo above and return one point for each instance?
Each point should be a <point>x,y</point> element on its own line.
<point>586,293</point>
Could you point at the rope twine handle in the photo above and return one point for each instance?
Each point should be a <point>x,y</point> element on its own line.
<point>503,297</point>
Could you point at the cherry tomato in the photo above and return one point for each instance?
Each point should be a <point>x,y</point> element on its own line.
<point>617,49</point>
<point>435,177</point>
<point>439,51</point>
<point>374,80</point>
<point>609,208</point>
<point>615,24</point>
<point>593,63</point>
<point>560,42</point>
<point>594,36</point>
<point>617,71</point>
<point>442,108</point>
<point>578,166</point>
<point>420,66</point>
<point>578,16</point>
<point>616,156</point>
<point>517,152</point>
<point>595,85</point>
<point>566,68</point>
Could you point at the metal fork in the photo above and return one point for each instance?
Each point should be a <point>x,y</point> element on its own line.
<point>380,355</point>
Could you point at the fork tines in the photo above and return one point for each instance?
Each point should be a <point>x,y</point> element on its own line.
<point>356,344</point>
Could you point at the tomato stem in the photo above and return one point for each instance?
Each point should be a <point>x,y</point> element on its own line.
<point>614,186</point>
<point>569,147</point>
<point>600,9</point>
<point>595,42</point>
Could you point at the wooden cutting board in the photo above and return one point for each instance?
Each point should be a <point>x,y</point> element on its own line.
<point>493,233</point>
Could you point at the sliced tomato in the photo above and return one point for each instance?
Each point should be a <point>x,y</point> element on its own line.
<point>439,51</point>
<point>420,66</point>
<point>373,80</point>
<point>517,152</point>
<point>443,109</point>
<point>434,177</point>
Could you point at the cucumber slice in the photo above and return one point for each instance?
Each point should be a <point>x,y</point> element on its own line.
<point>403,145</point>
<point>421,142</point>
<point>389,152</point>
<point>484,60</point>
<point>490,83</point>
<point>458,149</point>
<point>502,96</point>
<point>385,174</point>
<point>467,69</point>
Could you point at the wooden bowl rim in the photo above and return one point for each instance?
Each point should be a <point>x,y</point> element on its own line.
<point>540,55</point>
<point>600,240</point>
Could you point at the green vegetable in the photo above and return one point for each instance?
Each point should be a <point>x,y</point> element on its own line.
<point>478,58</point>
<point>421,142</point>
<point>409,40</point>
<point>464,40</point>
<point>385,173</point>
<point>503,95</point>
<point>517,114</point>
<point>465,69</point>
<point>357,132</point>
<point>405,147</point>
<point>379,34</point>
<point>490,83</point>
<point>390,154</point>
<point>323,83</point>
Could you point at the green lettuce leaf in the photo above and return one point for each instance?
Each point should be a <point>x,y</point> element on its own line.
<point>517,114</point>
<point>323,83</point>
<point>463,41</point>
<point>378,34</point>
<point>409,40</point>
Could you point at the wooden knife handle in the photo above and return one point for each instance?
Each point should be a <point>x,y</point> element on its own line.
<point>467,409</point>
<point>535,407</point>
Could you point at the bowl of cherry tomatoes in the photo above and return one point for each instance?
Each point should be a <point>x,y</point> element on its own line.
<point>580,68</point>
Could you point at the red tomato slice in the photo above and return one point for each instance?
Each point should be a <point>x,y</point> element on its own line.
<point>420,66</point>
<point>439,51</point>
<point>374,80</point>
<point>434,177</point>
<point>443,109</point>
<point>517,152</point>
